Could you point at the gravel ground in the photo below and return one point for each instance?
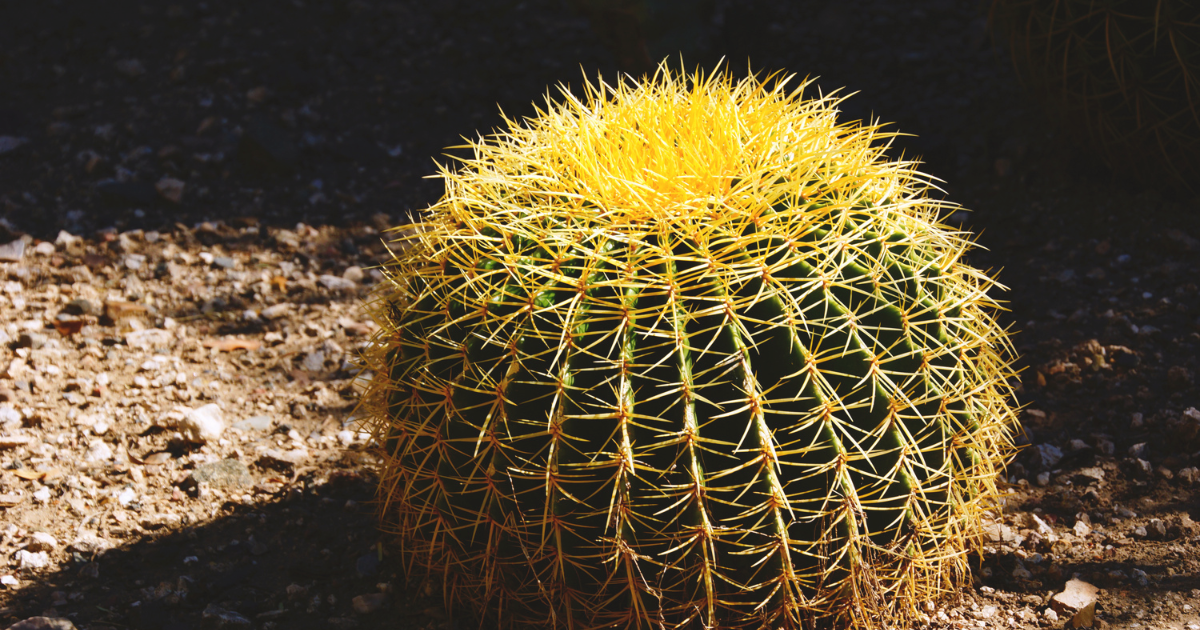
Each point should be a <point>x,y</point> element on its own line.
<point>191,201</point>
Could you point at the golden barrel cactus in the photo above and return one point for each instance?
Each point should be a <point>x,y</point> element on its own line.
<point>687,353</point>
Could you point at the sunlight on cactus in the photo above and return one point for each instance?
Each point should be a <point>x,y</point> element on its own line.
<point>688,353</point>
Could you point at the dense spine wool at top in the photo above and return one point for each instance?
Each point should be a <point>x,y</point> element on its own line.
<point>687,353</point>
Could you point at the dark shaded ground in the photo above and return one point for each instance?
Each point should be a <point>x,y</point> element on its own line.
<point>330,113</point>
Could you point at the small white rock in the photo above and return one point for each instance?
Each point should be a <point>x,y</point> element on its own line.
<point>41,495</point>
<point>41,541</point>
<point>45,248</point>
<point>334,283</point>
<point>8,580</point>
<point>32,559</point>
<point>66,239</point>
<point>98,451</point>
<point>276,311</point>
<point>203,424</point>
<point>345,437</point>
<point>126,496</point>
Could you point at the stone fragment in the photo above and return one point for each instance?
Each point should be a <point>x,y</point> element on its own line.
<point>88,543</point>
<point>1078,601</point>
<point>31,559</point>
<point>149,339</point>
<point>203,424</point>
<point>170,189</point>
<point>1188,475</point>
<point>1049,455</point>
<point>336,283</point>
<point>41,541</point>
<point>98,451</point>
<point>276,311</point>
<point>12,251</point>
<point>1089,475</point>
<point>227,473</point>
<point>369,603</point>
<point>255,423</point>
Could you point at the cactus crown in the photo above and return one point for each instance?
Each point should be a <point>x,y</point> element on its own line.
<point>688,351</point>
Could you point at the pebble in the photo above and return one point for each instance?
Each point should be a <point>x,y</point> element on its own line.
<point>335,283</point>
<point>31,559</point>
<point>41,541</point>
<point>170,189</point>
<point>98,451</point>
<point>353,273</point>
<point>126,496</point>
<point>1049,455</point>
<point>1188,475</point>
<point>1138,450</point>
<point>1078,601</point>
<point>10,417</point>
<point>254,423</point>
<point>12,251</point>
<point>372,602</point>
<point>227,473</point>
<point>203,424</point>
<point>149,339</point>
<point>313,361</point>
<point>276,311</point>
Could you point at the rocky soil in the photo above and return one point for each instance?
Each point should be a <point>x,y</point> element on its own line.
<point>193,196</point>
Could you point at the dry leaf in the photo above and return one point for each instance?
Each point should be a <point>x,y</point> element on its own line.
<point>229,345</point>
<point>27,474</point>
<point>280,283</point>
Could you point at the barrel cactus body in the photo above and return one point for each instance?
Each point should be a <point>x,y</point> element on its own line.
<point>1122,75</point>
<point>688,353</point>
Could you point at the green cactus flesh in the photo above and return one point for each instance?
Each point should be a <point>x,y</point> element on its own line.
<point>778,403</point>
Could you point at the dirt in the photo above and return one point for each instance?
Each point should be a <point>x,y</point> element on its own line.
<point>207,162</point>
